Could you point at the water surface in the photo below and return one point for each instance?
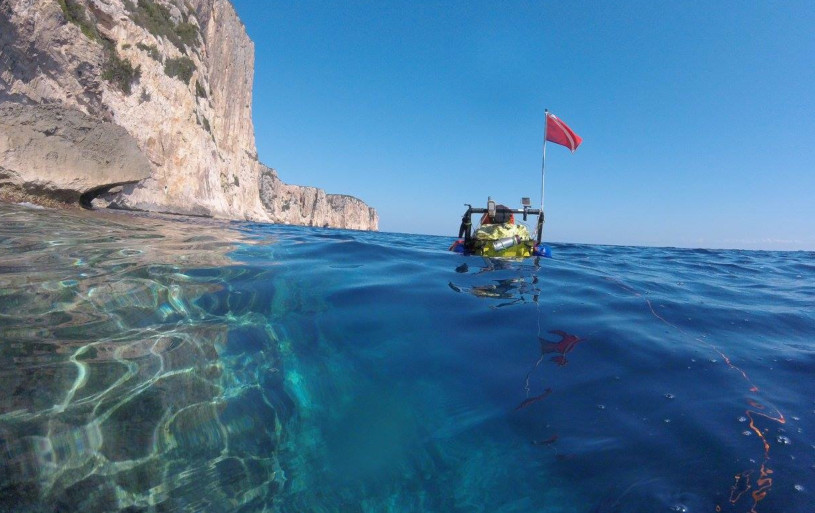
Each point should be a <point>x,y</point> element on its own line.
<point>168,364</point>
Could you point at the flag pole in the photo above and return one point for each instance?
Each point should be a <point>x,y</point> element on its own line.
<point>543,162</point>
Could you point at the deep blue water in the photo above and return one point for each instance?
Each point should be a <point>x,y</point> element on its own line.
<point>163,364</point>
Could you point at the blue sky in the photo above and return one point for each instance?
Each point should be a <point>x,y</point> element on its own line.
<point>698,117</point>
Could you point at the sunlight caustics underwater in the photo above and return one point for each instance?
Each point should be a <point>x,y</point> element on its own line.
<point>160,364</point>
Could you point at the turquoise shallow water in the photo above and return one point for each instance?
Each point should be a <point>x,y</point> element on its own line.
<point>161,364</point>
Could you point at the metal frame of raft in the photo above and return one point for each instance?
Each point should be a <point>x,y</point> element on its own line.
<point>469,245</point>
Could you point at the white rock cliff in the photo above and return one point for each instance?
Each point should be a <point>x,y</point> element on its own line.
<point>177,76</point>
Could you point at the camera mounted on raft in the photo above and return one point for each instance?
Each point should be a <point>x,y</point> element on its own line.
<point>498,235</point>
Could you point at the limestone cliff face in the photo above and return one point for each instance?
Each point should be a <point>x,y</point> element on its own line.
<point>63,154</point>
<point>177,76</point>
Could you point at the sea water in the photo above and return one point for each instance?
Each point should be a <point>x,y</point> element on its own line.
<point>169,364</point>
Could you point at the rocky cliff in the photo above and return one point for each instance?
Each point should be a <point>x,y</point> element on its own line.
<point>65,155</point>
<point>175,76</point>
<point>310,206</point>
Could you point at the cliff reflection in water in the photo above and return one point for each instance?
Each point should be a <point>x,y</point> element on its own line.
<point>124,369</point>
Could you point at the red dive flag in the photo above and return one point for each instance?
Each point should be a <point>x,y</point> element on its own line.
<point>559,133</point>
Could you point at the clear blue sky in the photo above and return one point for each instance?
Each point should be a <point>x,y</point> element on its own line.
<point>698,117</point>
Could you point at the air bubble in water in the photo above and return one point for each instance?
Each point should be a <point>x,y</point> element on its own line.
<point>783,440</point>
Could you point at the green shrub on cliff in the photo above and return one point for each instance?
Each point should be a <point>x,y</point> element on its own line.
<point>151,50</point>
<point>188,33</point>
<point>120,72</point>
<point>157,20</point>
<point>75,13</point>
<point>199,90</point>
<point>180,68</point>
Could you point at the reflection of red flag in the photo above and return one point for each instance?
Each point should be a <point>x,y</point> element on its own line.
<point>558,133</point>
